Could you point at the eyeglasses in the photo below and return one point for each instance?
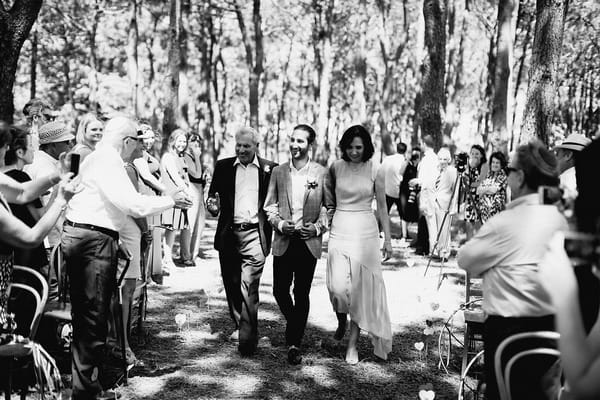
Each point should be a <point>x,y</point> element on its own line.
<point>511,169</point>
<point>132,137</point>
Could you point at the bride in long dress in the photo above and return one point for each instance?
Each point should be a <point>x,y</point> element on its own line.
<point>354,277</point>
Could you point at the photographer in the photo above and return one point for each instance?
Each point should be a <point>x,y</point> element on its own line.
<point>506,252</point>
<point>580,352</point>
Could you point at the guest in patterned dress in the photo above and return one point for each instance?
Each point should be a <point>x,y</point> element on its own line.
<point>492,191</point>
<point>470,182</point>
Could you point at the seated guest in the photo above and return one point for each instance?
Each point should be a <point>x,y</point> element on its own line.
<point>579,345</point>
<point>506,252</point>
<point>90,239</point>
<point>89,133</point>
<point>19,154</point>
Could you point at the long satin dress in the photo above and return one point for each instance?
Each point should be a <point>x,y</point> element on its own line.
<point>354,277</point>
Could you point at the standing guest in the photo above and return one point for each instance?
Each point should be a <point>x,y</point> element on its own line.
<point>90,239</point>
<point>243,237</point>
<point>197,177</point>
<point>392,166</point>
<point>148,168</point>
<point>13,232</point>
<point>89,133</point>
<point>37,112</point>
<point>175,176</point>
<point>55,139</point>
<point>506,252</point>
<point>565,153</point>
<point>135,237</point>
<point>427,173</point>
<point>492,190</point>
<point>470,181</point>
<point>410,206</point>
<point>354,277</point>
<point>19,154</point>
<point>444,204</point>
<point>295,205</point>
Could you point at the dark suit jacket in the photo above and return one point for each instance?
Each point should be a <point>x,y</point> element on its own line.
<point>223,182</point>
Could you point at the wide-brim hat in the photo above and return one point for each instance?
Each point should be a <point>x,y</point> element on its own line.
<point>54,132</point>
<point>575,142</point>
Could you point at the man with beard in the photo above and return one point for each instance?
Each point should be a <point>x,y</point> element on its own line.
<point>294,206</point>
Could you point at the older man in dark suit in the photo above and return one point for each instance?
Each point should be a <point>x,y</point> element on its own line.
<point>243,238</point>
<point>294,205</point>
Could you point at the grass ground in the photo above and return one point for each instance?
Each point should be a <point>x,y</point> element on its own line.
<point>197,360</point>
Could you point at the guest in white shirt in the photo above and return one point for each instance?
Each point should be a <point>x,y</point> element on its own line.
<point>506,252</point>
<point>55,139</point>
<point>90,241</point>
<point>565,153</point>
<point>393,165</point>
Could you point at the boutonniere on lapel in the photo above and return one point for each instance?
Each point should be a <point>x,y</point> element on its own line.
<point>311,183</point>
<point>267,169</point>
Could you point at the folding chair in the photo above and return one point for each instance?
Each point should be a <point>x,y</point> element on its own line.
<point>27,296</point>
<point>503,376</point>
<point>474,319</point>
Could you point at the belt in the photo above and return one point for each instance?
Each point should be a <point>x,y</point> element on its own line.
<point>89,227</point>
<point>244,226</point>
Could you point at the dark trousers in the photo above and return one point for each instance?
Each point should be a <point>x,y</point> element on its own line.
<point>526,376</point>
<point>296,265</point>
<point>241,269</point>
<point>422,243</point>
<point>91,261</point>
<point>390,201</point>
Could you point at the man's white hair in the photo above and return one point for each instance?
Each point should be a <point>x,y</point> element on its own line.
<point>246,130</point>
<point>116,129</point>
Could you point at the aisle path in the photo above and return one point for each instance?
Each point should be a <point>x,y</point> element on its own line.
<point>197,360</point>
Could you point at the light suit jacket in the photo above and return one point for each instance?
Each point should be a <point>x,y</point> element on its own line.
<point>278,206</point>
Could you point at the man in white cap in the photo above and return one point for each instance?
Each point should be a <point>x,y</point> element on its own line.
<point>54,139</point>
<point>90,238</point>
<point>565,154</point>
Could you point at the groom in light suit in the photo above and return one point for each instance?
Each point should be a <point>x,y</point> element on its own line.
<point>294,207</point>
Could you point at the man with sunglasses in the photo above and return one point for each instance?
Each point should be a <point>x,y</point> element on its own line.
<point>90,241</point>
<point>506,252</point>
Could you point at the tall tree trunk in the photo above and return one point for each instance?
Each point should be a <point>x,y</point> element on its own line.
<point>360,65</point>
<point>204,43</point>
<point>547,45</point>
<point>322,38</point>
<point>34,62</point>
<point>254,56</point>
<point>15,25</point>
<point>132,58</point>
<point>503,74</point>
<point>434,68</point>
<point>93,75</point>
<point>526,19</point>
<point>172,114</point>
<point>285,87</point>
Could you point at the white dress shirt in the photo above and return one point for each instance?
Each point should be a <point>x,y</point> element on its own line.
<point>391,166</point>
<point>427,172</point>
<point>245,205</point>
<point>568,183</point>
<point>506,252</point>
<point>107,195</point>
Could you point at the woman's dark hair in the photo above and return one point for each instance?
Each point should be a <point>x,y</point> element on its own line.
<point>5,135</point>
<point>482,152</point>
<point>19,141</point>
<point>360,132</point>
<point>308,129</point>
<point>498,155</point>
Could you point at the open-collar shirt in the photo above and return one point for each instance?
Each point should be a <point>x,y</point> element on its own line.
<point>245,206</point>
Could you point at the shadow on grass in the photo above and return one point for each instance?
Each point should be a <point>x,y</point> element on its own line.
<point>198,361</point>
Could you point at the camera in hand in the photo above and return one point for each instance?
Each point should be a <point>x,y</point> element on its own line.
<point>414,191</point>
<point>461,161</point>
<point>582,248</point>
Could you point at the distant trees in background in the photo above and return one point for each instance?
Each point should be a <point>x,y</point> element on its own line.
<point>465,71</point>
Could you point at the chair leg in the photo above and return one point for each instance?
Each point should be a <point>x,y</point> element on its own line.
<point>467,342</point>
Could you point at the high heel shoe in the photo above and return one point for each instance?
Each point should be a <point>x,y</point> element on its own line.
<point>352,356</point>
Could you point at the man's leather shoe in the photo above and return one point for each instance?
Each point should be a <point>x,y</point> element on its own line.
<point>294,357</point>
<point>247,350</point>
<point>108,395</point>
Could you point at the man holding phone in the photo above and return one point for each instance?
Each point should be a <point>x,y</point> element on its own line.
<point>90,239</point>
<point>506,252</point>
